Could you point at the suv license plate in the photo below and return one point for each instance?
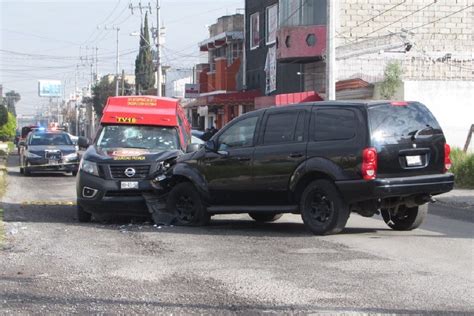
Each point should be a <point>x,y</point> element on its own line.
<point>413,161</point>
<point>128,185</point>
<point>53,162</point>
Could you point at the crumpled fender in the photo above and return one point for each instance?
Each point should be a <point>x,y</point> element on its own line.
<point>192,174</point>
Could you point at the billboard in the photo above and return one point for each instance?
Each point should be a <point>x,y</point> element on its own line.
<point>191,91</point>
<point>49,88</point>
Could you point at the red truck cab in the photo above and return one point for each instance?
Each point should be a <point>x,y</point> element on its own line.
<point>136,135</point>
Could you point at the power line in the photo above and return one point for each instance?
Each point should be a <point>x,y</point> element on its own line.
<point>372,18</point>
<point>402,18</point>
<point>441,18</point>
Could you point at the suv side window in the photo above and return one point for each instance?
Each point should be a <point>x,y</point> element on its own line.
<point>333,124</point>
<point>280,128</point>
<point>240,134</point>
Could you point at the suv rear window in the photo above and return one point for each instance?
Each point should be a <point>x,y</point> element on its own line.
<point>389,121</point>
<point>280,128</point>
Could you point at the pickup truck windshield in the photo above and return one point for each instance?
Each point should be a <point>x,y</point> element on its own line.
<point>155,138</point>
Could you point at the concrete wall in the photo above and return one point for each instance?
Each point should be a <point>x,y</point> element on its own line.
<point>452,102</point>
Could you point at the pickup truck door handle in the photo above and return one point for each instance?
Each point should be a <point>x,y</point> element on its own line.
<point>295,155</point>
<point>243,158</point>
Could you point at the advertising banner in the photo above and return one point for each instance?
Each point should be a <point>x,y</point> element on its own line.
<point>49,88</point>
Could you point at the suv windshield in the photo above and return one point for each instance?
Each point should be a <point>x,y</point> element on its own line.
<point>145,137</point>
<point>49,139</point>
<point>388,122</point>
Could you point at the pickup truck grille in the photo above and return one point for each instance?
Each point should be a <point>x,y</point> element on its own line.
<point>119,172</point>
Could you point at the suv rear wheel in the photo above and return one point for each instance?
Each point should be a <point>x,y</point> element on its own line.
<point>323,210</point>
<point>406,218</point>
<point>185,203</point>
<point>265,217</point>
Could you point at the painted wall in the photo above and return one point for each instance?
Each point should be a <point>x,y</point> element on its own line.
<point>452,102</point>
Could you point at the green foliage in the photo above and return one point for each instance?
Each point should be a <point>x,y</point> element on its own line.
<point>144,67</point>
<point>392,80</point>
<point>11,99</point>
<point>8,130</point>
<point>3,115</point>
<point>101,91</point>
<point>463,168</point>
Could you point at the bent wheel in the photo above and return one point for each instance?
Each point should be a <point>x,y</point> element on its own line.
<point>323,210</point>
<point>265,217</point>
<point>185,203</point>
<point>405,218</point>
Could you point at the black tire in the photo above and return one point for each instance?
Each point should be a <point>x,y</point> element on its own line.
<point>406,218</point>
<point>322,208</point>
<point>26,171</point>
<point>265,217</point>
<point>185,203</point>
<point>22,170</point>
<point>82,215</point>
<point>74,173</point>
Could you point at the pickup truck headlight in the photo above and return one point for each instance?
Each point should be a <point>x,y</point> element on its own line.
<point>89,167</point>
<point>72,156</point>
<point>31,155</point>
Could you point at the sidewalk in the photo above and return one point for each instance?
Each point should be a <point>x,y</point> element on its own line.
<point>461,198</point>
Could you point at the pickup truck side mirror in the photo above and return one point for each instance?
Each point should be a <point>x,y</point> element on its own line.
<point>192,148</point>
<point>83,142</point>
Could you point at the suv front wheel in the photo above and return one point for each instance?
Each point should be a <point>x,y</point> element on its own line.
<point>405,218</point>
<point>185,203</point>
<point>323,210</point>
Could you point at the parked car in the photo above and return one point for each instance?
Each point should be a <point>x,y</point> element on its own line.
<point>46,150</point>
<point>322,160</point>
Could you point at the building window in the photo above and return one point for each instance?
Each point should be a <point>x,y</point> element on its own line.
<point>271,24</point>
<point>255,30</point>
<point>302,12</point>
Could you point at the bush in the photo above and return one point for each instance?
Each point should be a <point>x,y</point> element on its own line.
<point>463,168</point>
<point>8,131</point>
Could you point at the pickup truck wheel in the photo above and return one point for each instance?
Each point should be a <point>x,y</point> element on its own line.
<point>406,218</point>
<point>82,215</point>
<point>265,217</point>
<point>322,208</point>
<point>185,203</point>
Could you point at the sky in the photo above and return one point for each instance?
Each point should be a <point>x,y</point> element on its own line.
<point>42,39</point>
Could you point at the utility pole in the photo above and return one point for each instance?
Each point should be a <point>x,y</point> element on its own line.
<point>158,51</point>
<point>331,51</point>
<point>117,75</point>
<point>75,102</point>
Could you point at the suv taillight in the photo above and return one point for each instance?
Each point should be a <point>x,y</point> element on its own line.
<point>447,158</point>
<point>369,163</point>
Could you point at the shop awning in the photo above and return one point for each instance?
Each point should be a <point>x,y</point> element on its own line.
<point>230,98</point>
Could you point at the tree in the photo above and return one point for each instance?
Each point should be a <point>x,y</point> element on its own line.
<point>3,115</point>
<point>8,130</point>
<point>144,67</point>
<point>101,91</point>
<point>392,80</point>
<point>12,99</point>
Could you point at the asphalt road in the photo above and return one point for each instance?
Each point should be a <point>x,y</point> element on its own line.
<point>52,264</point>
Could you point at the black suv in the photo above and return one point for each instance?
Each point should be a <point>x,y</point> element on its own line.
<point>322,160</point>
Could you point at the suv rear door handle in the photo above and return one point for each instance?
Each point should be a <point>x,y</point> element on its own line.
<point>295,155</point>
<point>243,158</point>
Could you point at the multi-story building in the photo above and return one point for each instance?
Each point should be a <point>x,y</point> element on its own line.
<point>431,41</point>
<point>222,96</point>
